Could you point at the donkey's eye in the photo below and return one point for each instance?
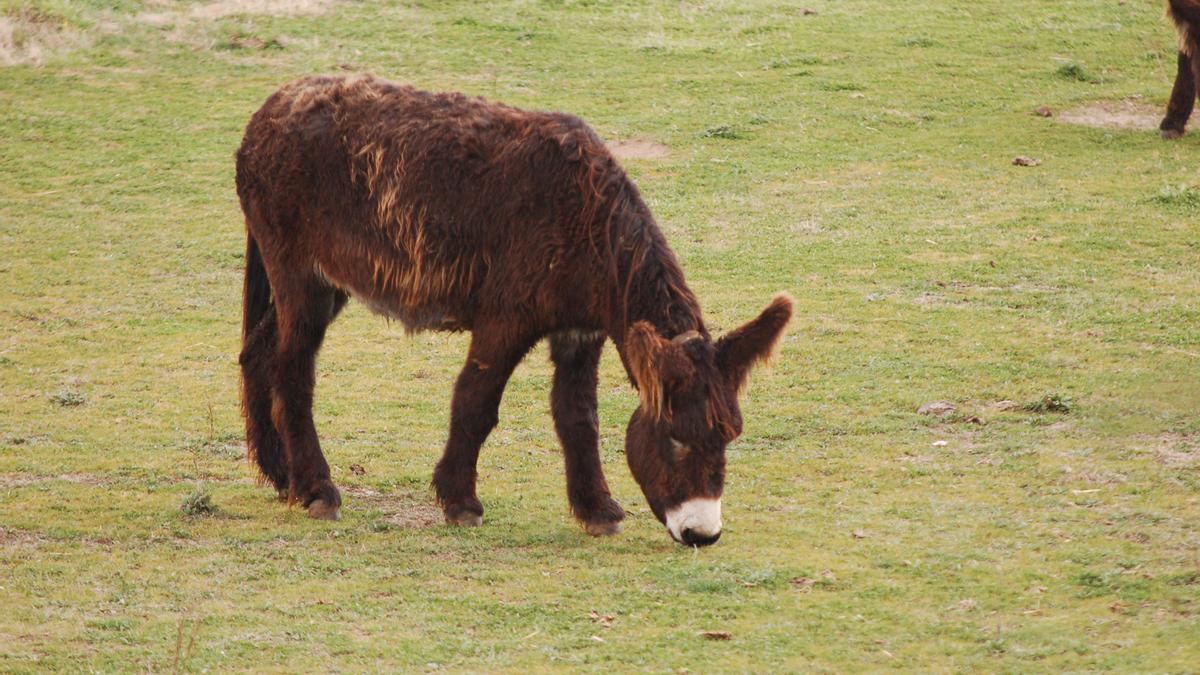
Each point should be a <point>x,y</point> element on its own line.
<point>679,450</point>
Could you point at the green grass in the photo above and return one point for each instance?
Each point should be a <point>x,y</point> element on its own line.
<point>859,158</point>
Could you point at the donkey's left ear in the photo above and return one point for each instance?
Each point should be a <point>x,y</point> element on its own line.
<point>753,342</point>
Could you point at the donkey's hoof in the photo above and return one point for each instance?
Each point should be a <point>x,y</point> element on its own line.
<point>323,510</point>
<point>1171,134</point>
<point>603,529</point>
<point>602,517</point>
<point>462,515</point>
<point>281,494</point>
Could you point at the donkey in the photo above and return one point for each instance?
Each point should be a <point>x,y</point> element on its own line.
<point>454,213</point>
<point>1186,14</point>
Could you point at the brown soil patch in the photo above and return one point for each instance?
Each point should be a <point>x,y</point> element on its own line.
<point>16,538</point>
<point>1177,451</point>
<point>16,480</point>
<point>30,540</point>
<point>28,36</point>
<point>406,509</point>
<point>1093,477</point>
<point>179,16</point>
<point>222,8</point>
<point>637,148</point>
<point>1131,114</point>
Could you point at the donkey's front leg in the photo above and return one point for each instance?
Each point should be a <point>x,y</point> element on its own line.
<point>576,358</point>
<point>473,414</point>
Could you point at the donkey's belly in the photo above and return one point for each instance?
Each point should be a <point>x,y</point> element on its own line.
<point>414,319</point>
<point>419,315</point>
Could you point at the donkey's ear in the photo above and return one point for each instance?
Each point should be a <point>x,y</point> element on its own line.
<point>753,342</point>
<point>654,362</point>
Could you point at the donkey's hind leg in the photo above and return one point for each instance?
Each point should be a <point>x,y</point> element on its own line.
<point>265,446</point>
<point>304,310</point>
<point>576,358</point>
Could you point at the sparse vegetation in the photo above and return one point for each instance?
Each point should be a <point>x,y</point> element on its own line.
<point>1051,403</point>
<point>1183,197</point>
<point>1076,72</point>
<point>198,503</point>
<point>722,131</point>
<point>69,398</point>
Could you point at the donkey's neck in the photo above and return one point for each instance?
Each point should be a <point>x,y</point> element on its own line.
<point>649,282</point>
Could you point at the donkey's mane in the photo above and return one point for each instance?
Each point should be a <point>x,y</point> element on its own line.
<point>644,275</point>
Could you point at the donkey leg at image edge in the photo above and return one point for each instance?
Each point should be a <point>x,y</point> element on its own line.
<point>576,358</point>
<point>304,310</point>
<point>1183,98</point>
<point>493,355</point>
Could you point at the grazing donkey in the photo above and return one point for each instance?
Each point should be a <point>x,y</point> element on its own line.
<point>1186,14</point>
<point>453,213</point>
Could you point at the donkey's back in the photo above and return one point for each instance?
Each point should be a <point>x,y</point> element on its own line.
<point>429,207</point>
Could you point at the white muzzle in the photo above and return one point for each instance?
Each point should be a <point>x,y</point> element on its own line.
<point>701,516</point>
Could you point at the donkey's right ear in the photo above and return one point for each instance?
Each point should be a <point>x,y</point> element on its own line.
<point>653,362</point>
<point>754,341</point>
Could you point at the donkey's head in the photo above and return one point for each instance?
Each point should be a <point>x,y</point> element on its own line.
<point>675,443</point>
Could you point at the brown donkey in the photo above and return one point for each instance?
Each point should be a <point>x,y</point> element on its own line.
<point>1186,14</point>
<point>453,213</point>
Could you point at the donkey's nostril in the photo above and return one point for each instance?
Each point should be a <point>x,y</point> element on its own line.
<point>691,537</point>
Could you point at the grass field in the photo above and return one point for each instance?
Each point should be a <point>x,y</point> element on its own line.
<point>859,157</point>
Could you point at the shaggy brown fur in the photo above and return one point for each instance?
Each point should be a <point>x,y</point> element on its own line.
<point>1186,14</point>
<point>453,213</point>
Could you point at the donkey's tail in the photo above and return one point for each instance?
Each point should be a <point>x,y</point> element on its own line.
<point>263,445</point>
<point>256,290</point>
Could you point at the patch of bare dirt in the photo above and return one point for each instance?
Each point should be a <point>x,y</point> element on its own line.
<point>405,509</point>
<point>15,480</point>
<point>185,22</point>
<point>807,226</point>
<point>939,300</point>
<point>10,538</point>
<point>1093,477</point>
<point>1131,114</point>
<point>938,408</point>
<point>222,8</point>
<point>637,148</point>
<point>171,13</point>
<point>9,481</point>
<point>1177,451</point>
<point>28,36</point>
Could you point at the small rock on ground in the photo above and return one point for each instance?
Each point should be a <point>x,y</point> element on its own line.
<point>939,408</point>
